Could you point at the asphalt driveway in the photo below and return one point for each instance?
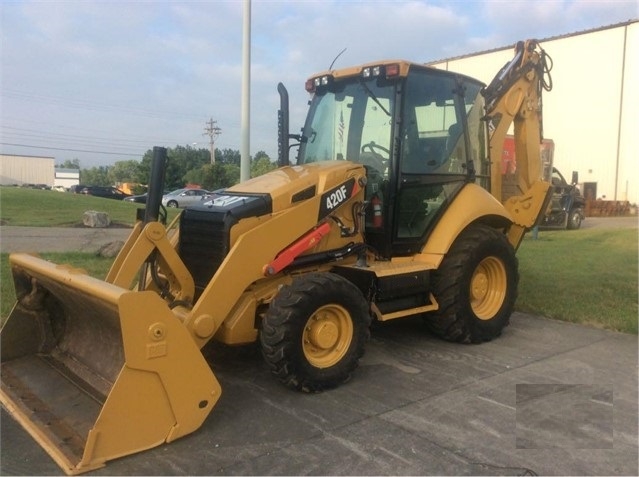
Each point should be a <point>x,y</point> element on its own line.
<point>548,398</point>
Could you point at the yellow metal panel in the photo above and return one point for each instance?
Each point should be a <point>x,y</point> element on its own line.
<point>472,203</point>
<point>282,184</point>
<point>246,259</point>
<point>240,328</point>
<point>397,267</point>
<point>165,389</point>
<point>409,311</point>
<point>255,242</point>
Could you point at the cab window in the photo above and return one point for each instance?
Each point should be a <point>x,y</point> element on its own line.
<point>433,139</point>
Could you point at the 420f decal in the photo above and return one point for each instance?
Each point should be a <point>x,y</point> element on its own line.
<point>335,197</point>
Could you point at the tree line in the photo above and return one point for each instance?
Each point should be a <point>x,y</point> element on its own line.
<point>185,165</point>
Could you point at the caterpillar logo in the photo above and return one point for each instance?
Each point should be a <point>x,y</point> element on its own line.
<point>335,197</point>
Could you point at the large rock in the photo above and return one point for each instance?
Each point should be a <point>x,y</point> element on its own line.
<point>111,249</point>
<point>93,218</point>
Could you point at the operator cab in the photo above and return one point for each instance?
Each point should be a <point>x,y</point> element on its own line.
<point>417,130</point>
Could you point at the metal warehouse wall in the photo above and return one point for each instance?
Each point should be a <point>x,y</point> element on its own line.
<point>66,177</point>
<point>592,113</point>
<point>26,170</point>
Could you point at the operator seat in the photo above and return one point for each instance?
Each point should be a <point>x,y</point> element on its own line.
<point>454,134</point>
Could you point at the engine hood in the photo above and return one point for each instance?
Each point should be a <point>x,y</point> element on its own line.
<point>292,184</point>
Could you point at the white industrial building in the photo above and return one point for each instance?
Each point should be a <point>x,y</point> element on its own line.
<point>35,170</point>
<point>592,112</point>
<point>22,170</point>
<point>66,178</point>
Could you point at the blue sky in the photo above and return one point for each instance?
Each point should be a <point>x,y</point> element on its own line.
<point>103,81</point>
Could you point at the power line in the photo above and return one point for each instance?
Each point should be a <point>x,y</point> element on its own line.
<point>94,105</point>
<point>137,154</point>
<point>53,135</point>
<point>70,140</point>
<point>81,130</point>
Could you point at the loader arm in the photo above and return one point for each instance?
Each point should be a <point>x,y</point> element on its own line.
<point>261,246</point>
<point>514,97</point>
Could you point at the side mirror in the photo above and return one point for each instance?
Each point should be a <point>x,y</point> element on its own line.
<point>575,177</point>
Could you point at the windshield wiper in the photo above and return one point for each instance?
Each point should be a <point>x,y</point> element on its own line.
<point>372,95</point>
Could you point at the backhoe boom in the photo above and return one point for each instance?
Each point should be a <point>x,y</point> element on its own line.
<point>514,97</point>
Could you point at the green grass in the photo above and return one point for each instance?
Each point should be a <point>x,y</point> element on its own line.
<point>46,208</point>
<point>586,276</point>
<point>94,265</point>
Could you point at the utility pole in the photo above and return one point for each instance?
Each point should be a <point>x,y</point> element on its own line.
<point>212,131</point>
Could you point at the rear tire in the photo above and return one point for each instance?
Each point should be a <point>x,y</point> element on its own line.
<point>314,332</point>
<point>172,204</point>
<point>475,286</point>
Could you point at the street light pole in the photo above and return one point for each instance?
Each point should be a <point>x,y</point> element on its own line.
<point>245,161</point>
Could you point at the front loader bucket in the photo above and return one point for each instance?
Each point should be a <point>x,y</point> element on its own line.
<point>94,371</point>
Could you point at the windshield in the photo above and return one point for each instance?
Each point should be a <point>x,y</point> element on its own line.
<point>351,121</point>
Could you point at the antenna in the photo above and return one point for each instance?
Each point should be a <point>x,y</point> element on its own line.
<point>338,55</point>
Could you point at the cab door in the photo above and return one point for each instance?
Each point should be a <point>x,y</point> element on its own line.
<point>437,153</point>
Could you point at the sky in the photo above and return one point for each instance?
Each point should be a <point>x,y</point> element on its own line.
<point>105,81</point>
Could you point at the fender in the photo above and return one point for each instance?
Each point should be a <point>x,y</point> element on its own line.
<point>472,204</point>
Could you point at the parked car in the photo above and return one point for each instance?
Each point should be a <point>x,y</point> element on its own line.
<point>140,199</point>
<point>77,188</point>
<point>183,197</point>
<point>105,192</point>
<point>36,186</point>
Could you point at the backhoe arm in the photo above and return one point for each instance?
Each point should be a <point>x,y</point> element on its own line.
<point>514,97</point>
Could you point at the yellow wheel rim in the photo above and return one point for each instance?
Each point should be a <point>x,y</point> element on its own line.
<point>488,288</point>
<point>327,335</point>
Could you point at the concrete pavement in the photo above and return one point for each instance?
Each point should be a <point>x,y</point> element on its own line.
<point>611,222</point>
<point>58,239</point>
<point>548,397</point>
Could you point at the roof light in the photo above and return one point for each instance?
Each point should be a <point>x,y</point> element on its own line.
<point>313,84</point>
<point>366,72</point>
<point>376,70</point>
<point>309,86</point>
<point>392,70</point>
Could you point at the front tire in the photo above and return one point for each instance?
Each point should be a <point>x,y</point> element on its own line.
<point>476,287</point>
<point>314,332</point>
<point>574,219</point>
<point>172,204</point>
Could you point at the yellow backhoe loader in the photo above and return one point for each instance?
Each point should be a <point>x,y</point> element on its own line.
<point>390,211</point>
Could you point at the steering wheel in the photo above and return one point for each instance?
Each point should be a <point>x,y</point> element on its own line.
<point>372,146</point>
<point>373,158</point>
